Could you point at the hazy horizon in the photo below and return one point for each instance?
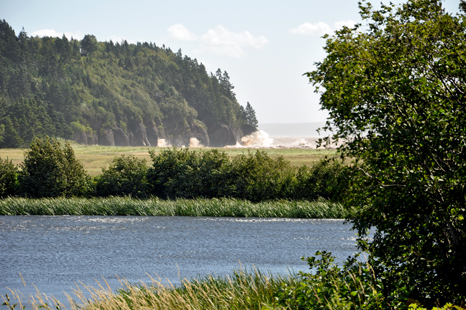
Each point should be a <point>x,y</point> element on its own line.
<point>308,129</point>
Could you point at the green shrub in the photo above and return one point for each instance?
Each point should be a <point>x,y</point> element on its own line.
<point>328,178</point>
<point>355,285</point>
<point>125,176</point>
<point>8,175</point>
<point>255,177</point>
<point>448,306</point>
<point>50,170</point>
<point>188,174</point>
<point>259,177</point>
<point>328,286</point>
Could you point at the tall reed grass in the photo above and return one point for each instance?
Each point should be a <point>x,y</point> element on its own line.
<point>242,290</point>
<point>353,288</point>
<point>222,207</point>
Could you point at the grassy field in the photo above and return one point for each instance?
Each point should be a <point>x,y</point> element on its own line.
<point>94,158</point>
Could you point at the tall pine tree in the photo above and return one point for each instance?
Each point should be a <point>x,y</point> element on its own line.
<point>251,116</point>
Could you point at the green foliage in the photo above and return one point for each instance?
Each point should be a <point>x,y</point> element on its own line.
<point>8,175</point>
<point>255,177</point>
<point>328,178</point>
<point>259,177</point>
<point>249,115</point>
<point>352,286</point>
<point>89,44</point>
<point>2,131</point>
<point>28,118</point>
<point>188,174</point>
<point>447,306</point>
<point>50,170</point>
<point>329,286</point>
<point>395,89</point>
<point>125,176</point>
<point>10,138</point>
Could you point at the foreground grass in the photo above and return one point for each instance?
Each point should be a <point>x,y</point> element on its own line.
<point>94,158</point>
<point>242,290</point>
<point>348,289</point>
<point>224,207</point>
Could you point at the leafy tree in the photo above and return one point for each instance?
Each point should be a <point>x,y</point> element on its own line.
<point>258,177</point>
<point>8,174</point>
<point>50,170</point>
<point>125,176</point>
<point>396,91</point>
<point>328,179</point>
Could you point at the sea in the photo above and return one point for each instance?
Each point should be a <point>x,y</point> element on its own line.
<point>287,135</point>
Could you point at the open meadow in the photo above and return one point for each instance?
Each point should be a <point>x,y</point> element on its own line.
<point>96,157</point>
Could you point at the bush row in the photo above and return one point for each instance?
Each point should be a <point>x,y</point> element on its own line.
<point>51,170</point>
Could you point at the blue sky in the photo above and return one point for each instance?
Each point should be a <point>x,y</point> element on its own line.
<point>265,46</point>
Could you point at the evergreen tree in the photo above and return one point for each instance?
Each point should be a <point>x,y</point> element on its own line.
<point>251,116</point>
<point>89,43</point>
<point>2,132</point>
<point>11,139</point>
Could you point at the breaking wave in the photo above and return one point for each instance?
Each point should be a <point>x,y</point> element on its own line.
<point>194,142</point>
<point>261,139</point>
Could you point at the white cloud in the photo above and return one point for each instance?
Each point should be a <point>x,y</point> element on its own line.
<point>220,40</point>
<point>320,28</point>
<point>180,32</point>
<point>224,42</point>
<point>316,29</point>
<point>53,33</point>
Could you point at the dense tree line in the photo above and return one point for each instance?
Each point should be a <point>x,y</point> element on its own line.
<point>51,170</point>
<point>60,86</point>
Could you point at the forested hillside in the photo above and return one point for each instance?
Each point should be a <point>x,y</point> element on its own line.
<point>112,94</point>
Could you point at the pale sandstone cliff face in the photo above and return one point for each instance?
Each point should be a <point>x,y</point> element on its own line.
<point>176,133</point>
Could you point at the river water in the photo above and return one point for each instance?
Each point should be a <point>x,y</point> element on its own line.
<point>56,252</point>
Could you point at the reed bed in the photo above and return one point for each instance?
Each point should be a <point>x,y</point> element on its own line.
<point>222,207</point>
<point>242,290</point>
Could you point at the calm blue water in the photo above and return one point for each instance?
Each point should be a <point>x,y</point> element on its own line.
<point>55,252</point>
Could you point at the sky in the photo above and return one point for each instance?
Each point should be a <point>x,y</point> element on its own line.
<point>264,45</point>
